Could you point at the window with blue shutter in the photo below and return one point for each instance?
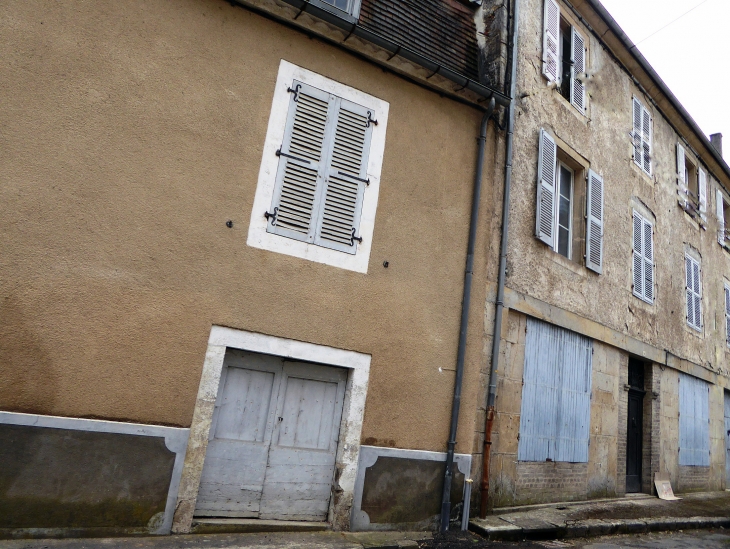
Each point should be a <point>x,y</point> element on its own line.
<point>642,136</point>
<point>643,254</point>
<point>693,291</point>
<point>322,172</point>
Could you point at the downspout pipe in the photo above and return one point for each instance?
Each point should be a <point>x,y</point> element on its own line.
<point>465,302</point>
<point>499,303</point>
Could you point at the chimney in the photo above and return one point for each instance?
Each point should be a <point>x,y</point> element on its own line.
<point>716,140</point>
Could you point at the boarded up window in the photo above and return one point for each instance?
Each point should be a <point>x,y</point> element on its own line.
<point>556,395</point>
<point>694,421</point>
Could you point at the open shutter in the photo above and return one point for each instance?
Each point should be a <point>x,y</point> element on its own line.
<point>346,179</point>
<point>638,256</point>
<point>648,262</point>
<point>646,131</point>
<point>594,231</point>
<point>720,211</point>
<point>551,42</point>
<point>301,163</point>
<point>547,162</point>
<point>637,132</point>
<point>690,297</point>
<point>703,191</point>
<point>681,182</point>
<point>578,55</point>
<point>727,315</point>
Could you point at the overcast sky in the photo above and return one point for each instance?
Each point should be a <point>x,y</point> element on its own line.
<point>692,55</point>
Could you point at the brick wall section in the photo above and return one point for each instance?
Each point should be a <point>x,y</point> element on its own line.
<point>551,481</point>
<point>693,479</point>
<point>652,403</point>
<point>623,419</point>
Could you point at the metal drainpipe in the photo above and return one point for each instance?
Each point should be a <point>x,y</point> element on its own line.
<point>502,266</point>
<point>465,302</point>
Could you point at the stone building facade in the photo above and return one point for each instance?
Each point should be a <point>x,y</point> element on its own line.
<point>616,234</point>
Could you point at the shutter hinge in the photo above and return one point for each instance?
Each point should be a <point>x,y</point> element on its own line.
<point>354,238</point>
<point>370,120</point>
<point>279,153</point>
<point>272,216</point>
<point>366,181</point>
<point>295,91</point>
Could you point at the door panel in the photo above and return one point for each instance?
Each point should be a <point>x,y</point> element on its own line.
<point>235,462</point>
<point>301,464</point>
<point>634,441</point>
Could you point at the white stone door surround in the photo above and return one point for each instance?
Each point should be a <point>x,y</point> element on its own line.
<point>348,449</point>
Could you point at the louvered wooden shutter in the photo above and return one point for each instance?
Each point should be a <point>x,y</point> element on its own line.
<point>551,42</point>
<point>694,293</point>
<point>646,134</point>
<point>643,259</point>
<point>727,315</point>
<point>702,187</point>
<point>578,55</point>
<point>682,184</point>
<point>594,226</point>
<point>302,159</point>
<point>545,213</point>
<point>346,179</point>
<point>637,133</point>
<point>720,211</point>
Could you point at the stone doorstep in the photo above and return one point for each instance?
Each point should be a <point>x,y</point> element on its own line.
<point>536,506</point>
<point>253,526</point>
<point>590,528</point>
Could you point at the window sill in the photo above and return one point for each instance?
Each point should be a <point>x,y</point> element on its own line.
<point>569,264</point>
<point>583,117</point>
<point>645,176</point>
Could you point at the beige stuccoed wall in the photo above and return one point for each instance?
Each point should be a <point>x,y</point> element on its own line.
<point>131,132</point>
<point>602,138</point>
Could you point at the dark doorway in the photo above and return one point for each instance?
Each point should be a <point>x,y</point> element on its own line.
<point>635,423</point>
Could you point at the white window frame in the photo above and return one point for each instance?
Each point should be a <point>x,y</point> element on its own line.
<point>258,237</point>
<point>352,13</point>
<point>556,212</point>
<point>695,295</point>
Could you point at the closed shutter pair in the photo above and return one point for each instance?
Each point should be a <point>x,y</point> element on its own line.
<point>682,182</point>
<point>551,63</point>
<point>322,172</point>
<point>643,259</point>
<point>546,199</point>
<point>694,292</point>
<point>642,136</point>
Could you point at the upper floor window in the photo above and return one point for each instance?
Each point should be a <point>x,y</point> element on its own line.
<point>642,136</point>
<point>643,251</point>
<point>692,185</point>
<point>564,55</point>
<point>349,9</point>
<point>562,186</point>
<point>694,291</point>
<point>319,178</point>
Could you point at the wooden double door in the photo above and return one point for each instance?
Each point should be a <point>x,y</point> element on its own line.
<point>273,440</point>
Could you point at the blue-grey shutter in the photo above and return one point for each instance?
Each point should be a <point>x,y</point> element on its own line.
<point>727,315</point>
<point>646,136</point>
<point>681,179</point>
<point>720,211</point>
<point>693,292</point>
<point>555,412</point>
<point>302,159</point>
<point>648,261</point>
<point>545,211</point>
<point>694,425</point>
<point>637,132</point>
<point>346,179</point>
<point>551,42</point>
<point>702,189</point>
<point>594,225</point>
<point>638,270</point>
<point>578,58</point>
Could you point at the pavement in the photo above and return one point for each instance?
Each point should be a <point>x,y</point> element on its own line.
<point>631,515</point>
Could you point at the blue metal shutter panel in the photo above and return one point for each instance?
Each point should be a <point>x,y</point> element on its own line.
<point>637,133</point>
<point>551,42</point>
<point>646,128</point>
<point>555,410</point>
<point>578,58</point>
<point>694,426</point>
<point>638,256</point>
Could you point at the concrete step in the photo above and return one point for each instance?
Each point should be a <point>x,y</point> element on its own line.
<point>253,526</point>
